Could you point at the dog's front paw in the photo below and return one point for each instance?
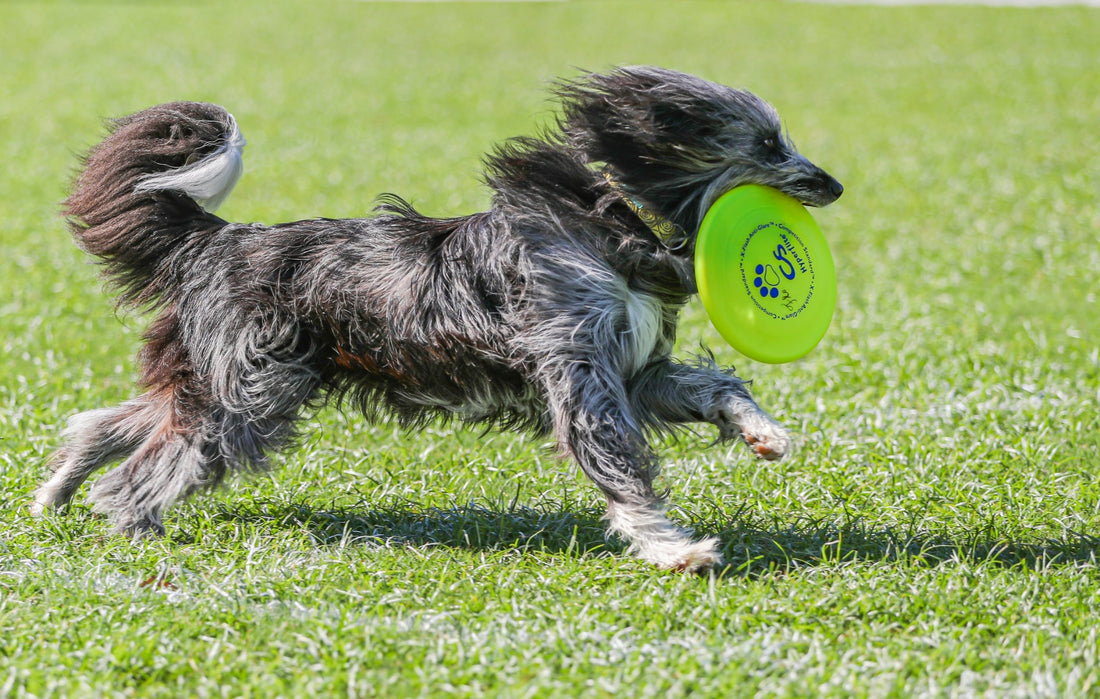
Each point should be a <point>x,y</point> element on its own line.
<point>699,557</point>
<point>766,438</point>
<point>653,538</point>
<point>682,554</point>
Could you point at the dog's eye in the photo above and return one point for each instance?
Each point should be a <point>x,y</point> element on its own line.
<point>774,148</point>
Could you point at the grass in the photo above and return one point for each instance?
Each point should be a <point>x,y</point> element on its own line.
<point>934,534</point>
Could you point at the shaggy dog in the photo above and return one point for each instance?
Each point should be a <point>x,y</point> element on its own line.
<point>554,311</point>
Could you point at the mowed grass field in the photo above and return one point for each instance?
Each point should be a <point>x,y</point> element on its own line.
<point>935,533</point>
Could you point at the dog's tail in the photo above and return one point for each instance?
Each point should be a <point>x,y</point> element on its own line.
<point>146,193</point>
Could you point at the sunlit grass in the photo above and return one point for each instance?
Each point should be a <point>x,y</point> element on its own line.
<point>934,534</point>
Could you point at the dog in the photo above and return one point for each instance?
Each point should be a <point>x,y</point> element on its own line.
<point>555,311</point>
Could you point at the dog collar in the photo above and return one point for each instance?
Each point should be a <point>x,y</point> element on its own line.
<point>664,229</point>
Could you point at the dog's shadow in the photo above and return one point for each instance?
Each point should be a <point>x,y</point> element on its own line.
<point>751,549</point>
<point>754,549</point>
<point>471,526</point>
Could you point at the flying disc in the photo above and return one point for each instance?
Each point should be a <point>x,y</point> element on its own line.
<point>765,274</point>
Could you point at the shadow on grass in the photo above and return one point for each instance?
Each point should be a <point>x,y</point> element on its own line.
<point>467,526</point>
<point>751,549</point>
<point>754,549</point>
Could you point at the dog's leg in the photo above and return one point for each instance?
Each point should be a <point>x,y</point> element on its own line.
<point>653,538</point>
<point>670,392</point>
<point>185,454</point>
<point>178,459</point>
<point>244,407</point>
<point>594,424</point>
<point>94,439</point>
<point>175,460</point>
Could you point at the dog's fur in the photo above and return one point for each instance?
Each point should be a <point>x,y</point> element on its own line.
<point>553,311</point>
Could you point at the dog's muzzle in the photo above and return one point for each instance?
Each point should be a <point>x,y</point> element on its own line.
<point>823,190</point>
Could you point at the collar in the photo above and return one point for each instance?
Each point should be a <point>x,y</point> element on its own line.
<point>664,229</point>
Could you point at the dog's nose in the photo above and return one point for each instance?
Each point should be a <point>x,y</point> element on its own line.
<point>835,187</point>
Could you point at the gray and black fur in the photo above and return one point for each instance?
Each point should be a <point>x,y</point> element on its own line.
<point>554,311</point>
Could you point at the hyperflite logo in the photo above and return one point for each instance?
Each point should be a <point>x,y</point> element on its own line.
<point>780,268</point>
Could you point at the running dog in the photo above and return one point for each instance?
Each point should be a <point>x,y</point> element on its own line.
<point>554,311</point>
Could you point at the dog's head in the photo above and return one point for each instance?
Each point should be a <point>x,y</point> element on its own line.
<point>679,142</point>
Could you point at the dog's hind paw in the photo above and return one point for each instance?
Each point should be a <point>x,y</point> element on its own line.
<point>47,498</point>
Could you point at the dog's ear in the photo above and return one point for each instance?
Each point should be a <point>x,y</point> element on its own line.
<point>637,115</point>
<point>612,105</point>
<point>684,120</point>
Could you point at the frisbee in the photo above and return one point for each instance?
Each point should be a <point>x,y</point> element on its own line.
<point>765,274</point>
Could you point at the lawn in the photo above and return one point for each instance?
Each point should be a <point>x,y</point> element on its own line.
<point>935,533</point>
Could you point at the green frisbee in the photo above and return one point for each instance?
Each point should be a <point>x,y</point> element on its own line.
<point>765,274</point>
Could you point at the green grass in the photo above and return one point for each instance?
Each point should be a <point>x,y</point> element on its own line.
<point>934,534</point>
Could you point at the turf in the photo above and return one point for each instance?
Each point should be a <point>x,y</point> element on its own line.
<point>934,534</point>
